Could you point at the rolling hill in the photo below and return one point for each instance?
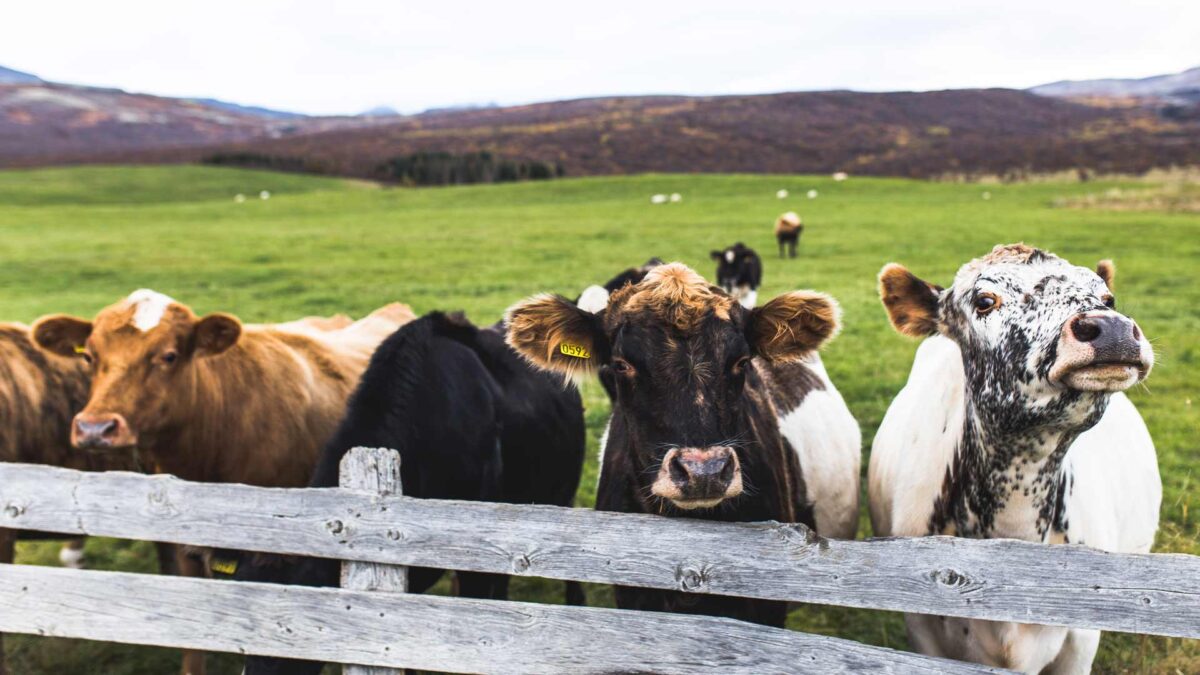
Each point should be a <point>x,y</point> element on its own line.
<point>1166,87</point>
<point>975,131</point>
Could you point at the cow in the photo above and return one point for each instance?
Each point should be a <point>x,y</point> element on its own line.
<point>471,421</point>
<point>719,412</point>
<point>210,399</point>
<point>1013,424</point>
<point>788,229</point>
<point>739,272</point>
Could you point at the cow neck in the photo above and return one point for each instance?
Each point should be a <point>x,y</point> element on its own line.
<point>1009,482</point>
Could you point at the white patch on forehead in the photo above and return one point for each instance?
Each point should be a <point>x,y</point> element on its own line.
<point>728,256</point>
<point>149,307</point>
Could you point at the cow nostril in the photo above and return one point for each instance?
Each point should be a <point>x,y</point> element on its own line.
<point>1137,334</point>
<point>1085,329</point>
<point>108,428</point>
<point>726,475</point>
<point>679,472</point>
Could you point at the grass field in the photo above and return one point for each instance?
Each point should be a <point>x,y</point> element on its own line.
<point>75,240</point>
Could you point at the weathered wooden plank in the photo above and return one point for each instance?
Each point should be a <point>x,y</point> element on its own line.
<point>999,580</point>
<point>400,630</point>
<point>374,470</point>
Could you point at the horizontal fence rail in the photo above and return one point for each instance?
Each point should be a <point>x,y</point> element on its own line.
<point>989,579</point>
<point>418,631</point>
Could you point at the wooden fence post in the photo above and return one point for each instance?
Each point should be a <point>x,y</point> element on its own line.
<point>372,470</point>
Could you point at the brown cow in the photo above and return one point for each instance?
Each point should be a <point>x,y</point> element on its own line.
<point>210,399</point>
<point>788,229</point>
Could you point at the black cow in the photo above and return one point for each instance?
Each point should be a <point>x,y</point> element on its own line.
<point>739,272</point>
<point>711,410</point>
<point>471,421</point>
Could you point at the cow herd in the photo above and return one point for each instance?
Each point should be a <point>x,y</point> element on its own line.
<point>1012,423</point>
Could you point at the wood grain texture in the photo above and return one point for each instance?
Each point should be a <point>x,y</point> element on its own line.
<point>399,630</point>
<point>989,579</point>
<point>376,471</point>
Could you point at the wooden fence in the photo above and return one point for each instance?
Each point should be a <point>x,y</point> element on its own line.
<point>376,531</point>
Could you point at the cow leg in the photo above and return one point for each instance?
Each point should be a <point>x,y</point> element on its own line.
<point>190,566</point>
<point>8,543</point>
<point>483,586</point>
<point>575,594</point>
<point>781,248</point>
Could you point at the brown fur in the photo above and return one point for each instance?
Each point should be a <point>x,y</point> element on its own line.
<point>912,304</point>
<point>539,325</point>
<point>793,324</point>
<point>675,294</point>
<point>785,226</point>
<point>1108,272</point>
<point>247,404</point>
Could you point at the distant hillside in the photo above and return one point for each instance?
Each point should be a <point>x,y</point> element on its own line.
<point>10,76</point>
<point>1159,86</point>
<point>269,113</point>
<point>911,134</point>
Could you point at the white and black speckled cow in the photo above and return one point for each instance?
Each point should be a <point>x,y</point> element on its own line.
<point>1013,425</point>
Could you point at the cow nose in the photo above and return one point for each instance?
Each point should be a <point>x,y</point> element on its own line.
<point>98,431</point>
<point>1112,337</point>
<point>699,477</point>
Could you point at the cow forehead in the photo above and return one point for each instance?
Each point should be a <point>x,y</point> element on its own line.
<point>1022,268</point>
<point>140,313</point>
<point>673,294</point>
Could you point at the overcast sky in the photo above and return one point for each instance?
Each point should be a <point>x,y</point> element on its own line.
<point>342,56</point>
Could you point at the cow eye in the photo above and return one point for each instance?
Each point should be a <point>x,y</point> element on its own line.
<point>1110,302</point>
<point>87,358</point>
<point>739,366</point>
<point>169,357</point>
<point>986,302</point>
<point>622,367</point>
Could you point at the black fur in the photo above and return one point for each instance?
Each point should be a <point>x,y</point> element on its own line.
<point>471,421</point>
<point>745,271</point>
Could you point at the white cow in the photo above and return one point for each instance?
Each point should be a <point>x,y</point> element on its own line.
<point>1012,425</point>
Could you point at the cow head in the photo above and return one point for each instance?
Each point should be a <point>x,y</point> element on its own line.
<point>731,262</point>
<point>679,353</point>
<point>141,351</point>
<point>1041,339</point>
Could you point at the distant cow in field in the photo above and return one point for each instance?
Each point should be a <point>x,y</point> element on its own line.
<point>739,272</point>
<point>1013,425</point>
<point>209,399</point>
<point>719,412</point>
<point>471,420</point>
<point>788,229</point>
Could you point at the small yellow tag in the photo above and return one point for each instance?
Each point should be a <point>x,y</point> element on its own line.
<point>224,566</point>
<point>577,351</point>
<point>79,349</point>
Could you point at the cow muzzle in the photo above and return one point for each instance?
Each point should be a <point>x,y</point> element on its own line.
<point>101,432</point>
<point>698,478</point>
<point>1101,351</point>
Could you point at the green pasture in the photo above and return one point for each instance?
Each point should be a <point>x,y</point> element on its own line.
<point>74,240</point>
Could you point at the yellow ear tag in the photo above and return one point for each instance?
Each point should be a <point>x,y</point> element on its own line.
<point>79,349</point>
<point>224,566</point>
<point>577,351</point>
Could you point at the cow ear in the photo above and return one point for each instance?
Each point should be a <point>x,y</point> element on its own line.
<point>716,255</point>
<point>911,303</point>
<point>793,325</point>
<point>215,333</point>
<point>61,334</point>
<point>555,335</point>
<point>1107,271</point>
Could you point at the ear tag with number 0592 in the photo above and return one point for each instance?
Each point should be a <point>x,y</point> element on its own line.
<point>577,351</point>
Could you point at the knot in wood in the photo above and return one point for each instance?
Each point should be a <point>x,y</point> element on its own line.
<point>690,579</point>
<point>335,526</point>
<point>14,510</point>
<point>160,502</point>
<point>951,578</point>
<point>521,564</point>
<point>394,535</point>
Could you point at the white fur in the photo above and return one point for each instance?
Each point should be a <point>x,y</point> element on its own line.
<point>749,299</point>
<point>149,307</point>
<point>828,442</point>
<point>912,449</point>
<point>729,255</point>
<point>603,445</point>
<point>593,299</point>
<point>69,556</point>
<point>791,218</point>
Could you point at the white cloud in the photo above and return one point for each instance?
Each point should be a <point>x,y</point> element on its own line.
<point>325,57</point>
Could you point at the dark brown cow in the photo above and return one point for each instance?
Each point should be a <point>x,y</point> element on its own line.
<point>209,399</point>
<point>719,412</point>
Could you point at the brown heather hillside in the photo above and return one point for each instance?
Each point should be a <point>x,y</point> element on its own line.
<point>908,134</point>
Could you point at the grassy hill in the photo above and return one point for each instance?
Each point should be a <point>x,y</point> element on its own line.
<point>75,240</point>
